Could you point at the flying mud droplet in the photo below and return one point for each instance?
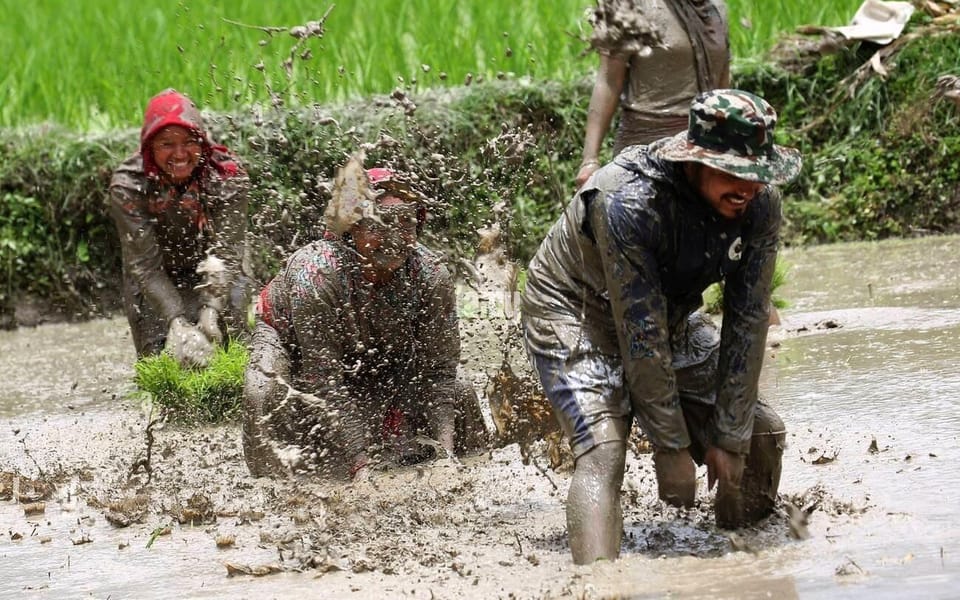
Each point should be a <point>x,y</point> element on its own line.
<point>352,196</point>
<point>619,24</point>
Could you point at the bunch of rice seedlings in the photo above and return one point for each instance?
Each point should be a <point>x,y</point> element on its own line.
<point>713,295</point>
<point>195,395</point>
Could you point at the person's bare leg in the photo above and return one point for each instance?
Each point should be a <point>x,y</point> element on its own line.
<point>676,477</point>
<point>594,514</point>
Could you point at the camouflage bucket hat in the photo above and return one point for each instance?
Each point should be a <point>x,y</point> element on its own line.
<point>732,131</point>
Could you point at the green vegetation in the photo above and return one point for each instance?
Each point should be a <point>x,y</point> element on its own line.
<point>204,395</point>
<point>880,152</point>
<point>713,295</point>
<point>56,241</point>
<point>879,155</point>
<point>755,27</point>
<point>92,64</point>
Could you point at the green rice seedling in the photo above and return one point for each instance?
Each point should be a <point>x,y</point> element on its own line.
<point>195,395</point>
<point>713,295</point>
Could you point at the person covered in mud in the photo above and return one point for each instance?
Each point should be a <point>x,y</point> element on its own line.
<point>612,321</point>
<point>355,354</point>
<point>655,56</point>
<point>180,207</point>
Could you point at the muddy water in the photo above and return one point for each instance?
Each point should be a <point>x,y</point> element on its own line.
<point>863,371</point>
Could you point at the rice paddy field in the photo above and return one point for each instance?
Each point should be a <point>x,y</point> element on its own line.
<point>92,65</point>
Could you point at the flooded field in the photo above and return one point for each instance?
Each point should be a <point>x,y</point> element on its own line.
<point>863,371</point>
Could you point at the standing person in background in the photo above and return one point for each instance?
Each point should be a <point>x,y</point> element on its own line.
<point>653,85</point>
<point>180,207</point>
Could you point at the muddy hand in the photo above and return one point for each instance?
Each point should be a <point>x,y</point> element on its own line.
<point>676,477</point>
<point>188,345</point>
<point>725,470</point>
<point>209,324</point>
<point>361,468</point>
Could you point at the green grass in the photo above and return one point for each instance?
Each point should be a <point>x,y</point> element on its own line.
<point>93,64</point>
<point>755,26</point>
<point>210,394</point>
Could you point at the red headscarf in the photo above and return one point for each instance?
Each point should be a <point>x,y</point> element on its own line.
<point>170,107</point>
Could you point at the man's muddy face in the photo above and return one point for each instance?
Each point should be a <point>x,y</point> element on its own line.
<point>385,241</point>
<point>176,152</point>
<point>727,194</point>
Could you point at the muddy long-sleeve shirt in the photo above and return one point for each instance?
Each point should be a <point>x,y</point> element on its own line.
<point>630,259</point>
<point>165,231</point>
<point>363,348</point>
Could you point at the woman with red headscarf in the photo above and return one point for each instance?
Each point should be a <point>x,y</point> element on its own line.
<point>180,207</point>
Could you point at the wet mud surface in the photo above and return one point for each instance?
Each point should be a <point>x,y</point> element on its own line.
<point>862,370</point>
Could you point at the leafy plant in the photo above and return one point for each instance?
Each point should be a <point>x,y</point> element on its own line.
<point>22,232</point>
<point>205,395</point>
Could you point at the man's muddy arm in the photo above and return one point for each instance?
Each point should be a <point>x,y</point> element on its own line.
<point>438,345</point>
<point>229,217</point>
<point>230,223</point>
<point>626,234</point>
<point>343,422</point>
<point>746,316</point>
<point>264,402</point>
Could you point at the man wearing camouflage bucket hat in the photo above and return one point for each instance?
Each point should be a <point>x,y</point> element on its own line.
<point>612,322</point>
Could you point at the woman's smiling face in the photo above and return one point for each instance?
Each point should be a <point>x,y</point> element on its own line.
<point>177,151</point>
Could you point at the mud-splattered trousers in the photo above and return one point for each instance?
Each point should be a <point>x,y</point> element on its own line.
<point>365,362</point>
<point>165,232</point>
<point>611,323</point>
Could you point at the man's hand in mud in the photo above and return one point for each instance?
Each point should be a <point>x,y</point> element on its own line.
<point>361,475</point>
<point>188,345</point>
<point>445,415</point>
<point>725,469</point>
<point>445,456</point>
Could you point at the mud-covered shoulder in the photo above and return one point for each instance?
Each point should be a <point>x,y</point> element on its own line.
<point>227,184</point>
<point>429,267</point>
<point>129,175</point>
<point>766,215</point>
<point>631,210</point>
<point>319,268</point>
